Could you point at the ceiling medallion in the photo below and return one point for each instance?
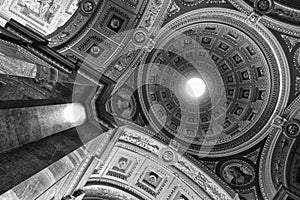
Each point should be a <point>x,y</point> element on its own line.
<point>264,6</point>
<point>237,173</point>
<point>87,6</point>
<point>139,37</point>
<point>168,155</point>
<point>292,128</point>
<point>123,103</point>
<point>238,90</point>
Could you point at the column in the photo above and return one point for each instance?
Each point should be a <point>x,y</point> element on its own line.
<point>46,183</point>
<point>19,126</point>
<point>17,67</point>
<point>16,60</point>
<point>58,177</point>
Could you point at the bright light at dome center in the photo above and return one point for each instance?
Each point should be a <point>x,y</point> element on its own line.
<point>195,87</point>
<point>74,113</point>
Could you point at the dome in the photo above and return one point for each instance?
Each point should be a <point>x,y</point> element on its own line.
<point>241,91</point>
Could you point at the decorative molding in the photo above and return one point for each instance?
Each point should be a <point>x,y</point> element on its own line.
<point>267,21</point>
<point>270,46</point>
<point>107,192</point>
<point>204,181</point>
<point>253,156</point>
<point>290,41</point>
<point>173,9</point>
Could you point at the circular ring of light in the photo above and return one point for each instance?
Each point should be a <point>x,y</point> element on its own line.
<point>195,87</point>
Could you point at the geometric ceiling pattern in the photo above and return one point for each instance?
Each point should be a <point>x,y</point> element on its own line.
<point>147,169</point>
<point>189,45</point>
<point>237,79</point>
<point>241,74</point>
<point>238,140</point>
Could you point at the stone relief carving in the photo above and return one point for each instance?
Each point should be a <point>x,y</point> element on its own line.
<point>153,180</point>
<point>278,159</point>
<point>123,62</point>
<point>142,141</point>
<point>286,13</point>
<point>296,60</point>
<point>216,1</point>
<point>274,24</point>
<point>253,156</point>
<point>291,42</point>
<point>202,180</point>
<point>154,176</point>
<point>206,14</point>
<point>123,103</point>
<point>68,31</point>
<point>151,14</point>
<point>124,166</point>
<point>297,86</point>
<point>237,172</point>
<point>173,9</point>
<point>108,192</point>
<point>168,156</point>
<point>292,128</point>
<point>278,121</point>
<point>264,6</point>
<point>190,3</point>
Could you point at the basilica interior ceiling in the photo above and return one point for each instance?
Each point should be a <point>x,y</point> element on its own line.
<point>239,139</point>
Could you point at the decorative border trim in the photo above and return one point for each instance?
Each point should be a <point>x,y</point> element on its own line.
<point>267,21</point>
<point>205,14</point>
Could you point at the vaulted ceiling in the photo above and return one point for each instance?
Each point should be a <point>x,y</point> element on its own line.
<point>243,132</point>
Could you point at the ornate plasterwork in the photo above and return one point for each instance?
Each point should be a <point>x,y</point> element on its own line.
<point>269,45</point>
<point>174,8</point>
<point>229,168</point>
<point>287,13</point>
<point>190,3</point>
<point>267,21</point>
<point>140,164</point>
<point>273,163</point>
<point>141,140</point>
<point>123,103</point>
<point>204,181</point>
<point>297,86</point>
<point>73,28</point>
<point>130,56</point>
<point>77,174</point>
<point>292,108</point>
<point>107,192</point>
<point>207,183</point>
<point>225,74</point>
<point>296,60</point>
<point>275,153</point>
<point>265,177</point>
<point>296,63</point>
<point>66,33</point>
<point>113,23</point>
<point>216,1</point>
<point>43,17</point>
<point>153,13</point>
<point>291,42</point>
<point>253,156</point>
<point>162,179</point>
<point>117,26</point>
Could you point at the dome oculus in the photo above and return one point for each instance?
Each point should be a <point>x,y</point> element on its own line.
<point>195,87</point>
